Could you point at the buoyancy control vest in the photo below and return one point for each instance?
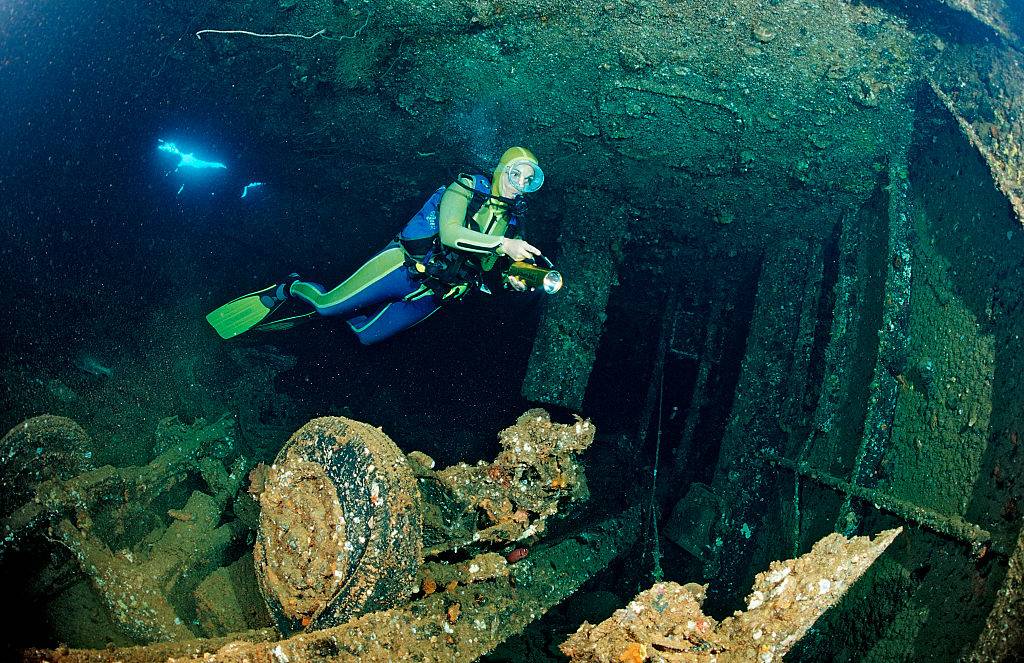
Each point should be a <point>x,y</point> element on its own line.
<point>421,234</point>
<point>438,267</point>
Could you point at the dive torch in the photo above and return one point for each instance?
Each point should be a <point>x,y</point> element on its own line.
<point>535,276</point>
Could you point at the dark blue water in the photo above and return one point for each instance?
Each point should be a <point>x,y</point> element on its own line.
<point>96,238</point>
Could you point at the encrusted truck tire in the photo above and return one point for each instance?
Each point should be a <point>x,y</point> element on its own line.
<point>340,529</point>
<point>36,450</point>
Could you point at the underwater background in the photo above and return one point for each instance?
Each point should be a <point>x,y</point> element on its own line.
<point>790,234</point>
<point>115,255</point>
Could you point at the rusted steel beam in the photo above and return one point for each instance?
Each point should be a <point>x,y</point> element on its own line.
<point>952,527</point>
<point>893,341</point>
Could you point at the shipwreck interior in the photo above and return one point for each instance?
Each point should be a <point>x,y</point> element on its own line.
<point>794,305</point>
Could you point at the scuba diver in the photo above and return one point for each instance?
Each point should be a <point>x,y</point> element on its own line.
<point>461,232</point>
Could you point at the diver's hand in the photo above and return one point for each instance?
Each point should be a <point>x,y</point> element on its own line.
<point>516,283</point>
<point>517,249</point>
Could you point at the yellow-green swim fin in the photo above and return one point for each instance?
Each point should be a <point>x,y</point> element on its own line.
<point>242,314</point>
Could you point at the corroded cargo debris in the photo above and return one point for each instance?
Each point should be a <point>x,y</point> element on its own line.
<point>136,586</point>
<point>228,600</point>
<point>333,471</point>
<point>666,622</point>
<point>536,469</point>
<point>458,622</point>
<point>340,527</point>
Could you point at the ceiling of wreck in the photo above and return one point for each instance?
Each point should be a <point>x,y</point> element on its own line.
<point>737,122</point>
<point>775,114</point>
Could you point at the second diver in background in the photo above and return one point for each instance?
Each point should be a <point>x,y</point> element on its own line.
<point>462,231</point>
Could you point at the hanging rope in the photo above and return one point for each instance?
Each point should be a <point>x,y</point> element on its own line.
<point>657,572</point>
<point>288,35</point>
<point>264,35</point>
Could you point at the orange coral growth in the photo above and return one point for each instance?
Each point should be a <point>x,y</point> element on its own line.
<point>258,479</point>
<point>498,474</point>
<point>429,586</point>
<point>633,653</point>
<point>454,610</point>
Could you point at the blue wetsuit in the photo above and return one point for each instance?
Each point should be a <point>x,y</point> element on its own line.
<point>383,296</point>
<point>379,300</point>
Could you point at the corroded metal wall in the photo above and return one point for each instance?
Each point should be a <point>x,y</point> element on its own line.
<point>570,329</point>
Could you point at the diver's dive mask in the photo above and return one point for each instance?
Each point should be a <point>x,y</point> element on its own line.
<point>524,175</point>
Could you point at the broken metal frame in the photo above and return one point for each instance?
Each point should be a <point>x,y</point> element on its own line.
<point>758,410</point>
<point>800,368</point>
<point>878,424</point>
<point>709,356</point>
<point>845,317</point>
<point>667,622</point>
<point>836,357</point>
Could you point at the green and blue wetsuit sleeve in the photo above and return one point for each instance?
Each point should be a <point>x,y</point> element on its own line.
<point>452,221</point>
